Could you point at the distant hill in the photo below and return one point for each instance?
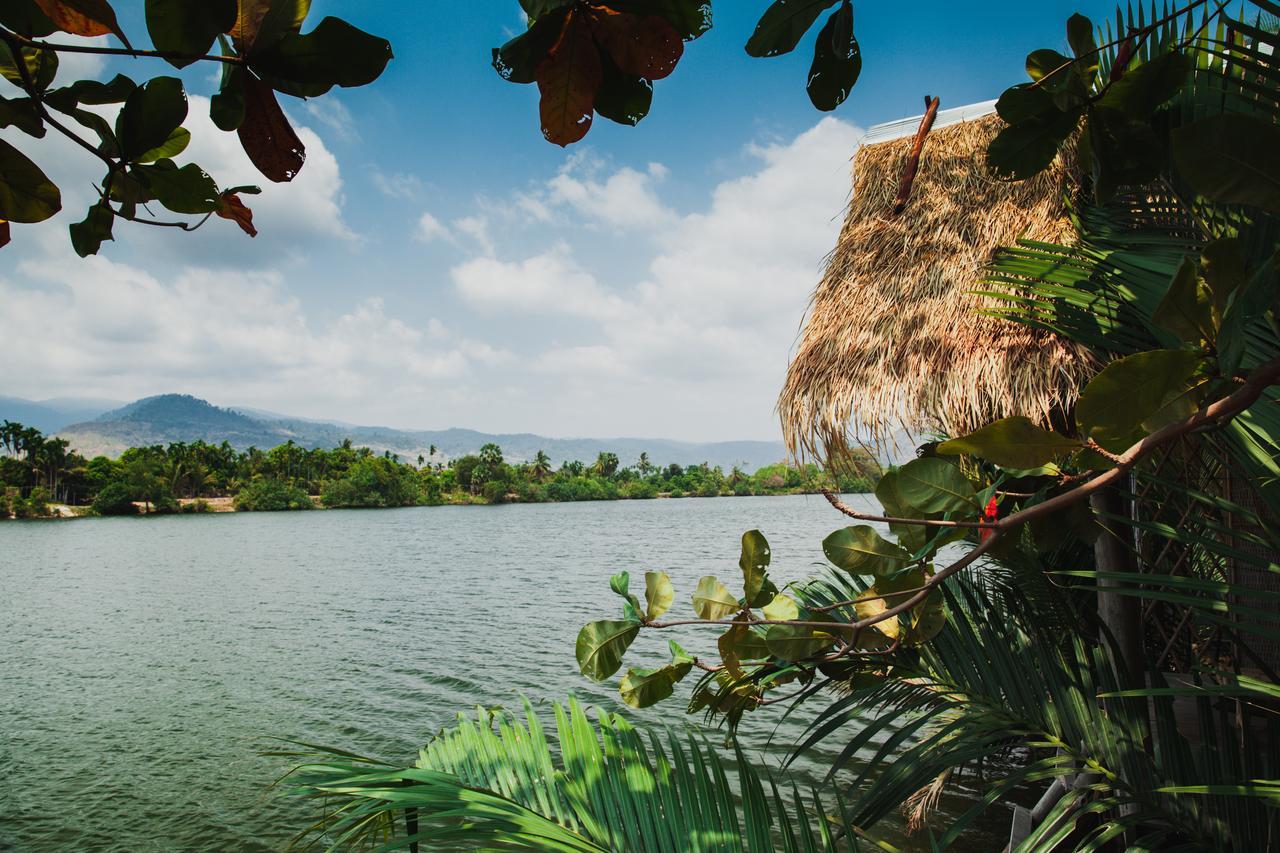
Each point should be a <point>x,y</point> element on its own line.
<point>181,417</point>
<point>49,416</point>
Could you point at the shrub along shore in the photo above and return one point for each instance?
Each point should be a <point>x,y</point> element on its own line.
<point>41,477</point>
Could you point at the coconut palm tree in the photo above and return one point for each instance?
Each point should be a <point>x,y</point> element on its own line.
<point>540,468</point>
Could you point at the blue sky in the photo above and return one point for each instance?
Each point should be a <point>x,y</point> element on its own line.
<point>438,264</point>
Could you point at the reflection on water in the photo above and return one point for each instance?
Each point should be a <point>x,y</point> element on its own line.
<point>144,658</point>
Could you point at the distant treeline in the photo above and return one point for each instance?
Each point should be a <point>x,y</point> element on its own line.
<point>37,471</point>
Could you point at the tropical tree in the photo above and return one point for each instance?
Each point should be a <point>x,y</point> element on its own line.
<point>261,50</point>
<point>974,633</point>
<point>606,464</point>
<point>540,468</point>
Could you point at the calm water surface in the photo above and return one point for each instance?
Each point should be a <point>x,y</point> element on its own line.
<point>145,658</point>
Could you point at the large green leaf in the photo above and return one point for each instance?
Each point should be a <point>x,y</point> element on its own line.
<point>1128,393</point>
<point>602,644</point>
<point>658,594</point>
<point>712,599</point>
<point>1145,88</point>
<point>933,485</point>
<point>518,59</point>
<point>150,115</point>
<point>25,18</point>
<point>1023,150</point>
<point>1022,103</point>
<point>641,688</point>
<point>22,114</point>
<point>186,28</point>
<point>183,190</point>
<point>1012,443</point>
<point>1230,159</point>
<point>172,147</point>
<point>623,98</point>
<point>783,608</point>
<point>88,235</point>
<point>333,54</point>
<point>41,65</point>
<point>910,536</point>
<point>26,193</point>
<point>783,24</point>
<point>837,60</point>
<point>859,550</point>
<point>796,642</point>
<point>1187,307</point>
<point>757,588</point>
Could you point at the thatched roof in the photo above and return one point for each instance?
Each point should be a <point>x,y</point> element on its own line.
<point>894,338</point>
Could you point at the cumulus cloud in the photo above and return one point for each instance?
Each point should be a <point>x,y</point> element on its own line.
<point>105,328</point>
<point>548,283</point>
<point>586,194</point>
<point>711,319</point>
<point>684,333</point>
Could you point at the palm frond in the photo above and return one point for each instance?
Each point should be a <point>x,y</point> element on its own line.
<point>994,683</point>
<point>498,781</point>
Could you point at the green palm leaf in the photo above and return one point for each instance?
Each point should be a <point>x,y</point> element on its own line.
<point>496,781</point>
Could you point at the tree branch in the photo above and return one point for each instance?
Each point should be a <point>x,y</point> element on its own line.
<point>119,51</point>
<point>918,522</point>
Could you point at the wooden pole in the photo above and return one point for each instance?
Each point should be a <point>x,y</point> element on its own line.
<point>1122,614</point>
<point>913,161</point>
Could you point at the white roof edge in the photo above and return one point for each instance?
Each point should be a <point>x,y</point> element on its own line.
<point>907,126</point>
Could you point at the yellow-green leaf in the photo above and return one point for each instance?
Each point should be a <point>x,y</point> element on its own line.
<point>602,644</point>
<point>658,594</point>
<point>754,562</point>
<point>1013,442</point>
<point>712,599</point>
<point>796,642</point>
<point>782,609</point>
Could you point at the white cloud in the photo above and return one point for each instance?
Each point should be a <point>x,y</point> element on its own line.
<point>625,199</point>
<point>81,66</point>
<point>549,283</point>
<point>96,326</point>
<point>477,228</point>
<point>430,228</point>
<point>706,328</point>
<point>334,115</point>
<point>398,185</point>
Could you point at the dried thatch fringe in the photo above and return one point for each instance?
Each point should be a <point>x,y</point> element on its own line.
<point>894,338</point>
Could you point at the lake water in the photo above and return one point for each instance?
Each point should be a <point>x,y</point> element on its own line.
<point>144,659</point>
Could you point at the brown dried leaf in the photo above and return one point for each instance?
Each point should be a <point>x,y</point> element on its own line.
<point>568,80</point>
<point>83,17</point>
<point>643,45</point>
<point>267,136</point>
<point>231,207</point>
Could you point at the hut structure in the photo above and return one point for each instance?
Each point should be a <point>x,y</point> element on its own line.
<point>895,336</point>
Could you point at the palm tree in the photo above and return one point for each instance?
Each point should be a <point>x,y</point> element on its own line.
<point>541,466</point>
<point>606,465</point>
<point>644,466</point>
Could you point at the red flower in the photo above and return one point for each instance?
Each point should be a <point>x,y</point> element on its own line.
<point>989,515</point>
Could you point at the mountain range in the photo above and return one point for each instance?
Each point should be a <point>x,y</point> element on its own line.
<point>94,428</point>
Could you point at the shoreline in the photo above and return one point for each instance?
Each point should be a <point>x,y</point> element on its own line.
<point>225,505</point>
